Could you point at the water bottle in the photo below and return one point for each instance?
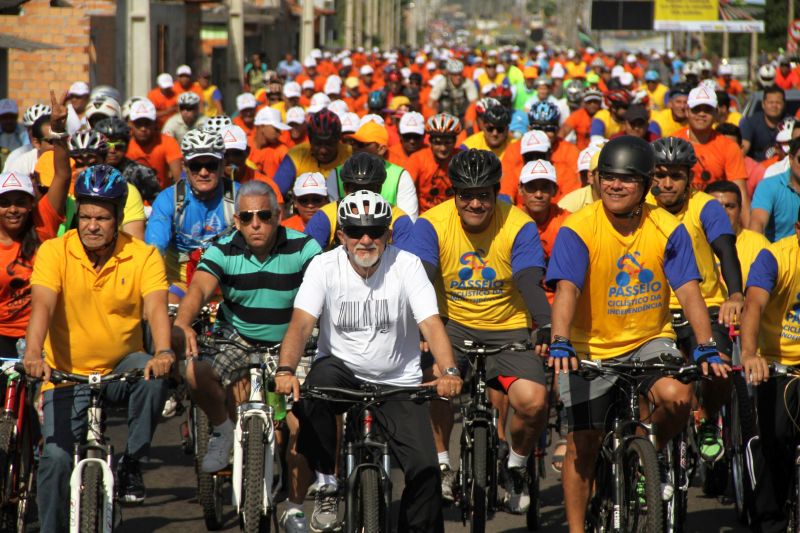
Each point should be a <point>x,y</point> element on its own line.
<point>21,347</point>
<point>278,404</point>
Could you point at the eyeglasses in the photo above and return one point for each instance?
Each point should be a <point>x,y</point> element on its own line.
<point>246,217</point>
<point>624,179</point>
<point>442,140</point>
<point>197,166</point>
<point>358,232</point>
<point>311,199</point>
<point>466,196</point>
<point>493,129</point>
<point>116,145</point>
<point>674,175</point>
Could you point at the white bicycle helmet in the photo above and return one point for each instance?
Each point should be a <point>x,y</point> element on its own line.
<point>364,209</point>
<point>766,75</point>
<point>691,68</point>
<point>196,143</point>
<point>103,105</point>
<point>105,91</point>
<point>34,113</point>
<point>126,107</point>
<point>454,66</point>
<point>215,124</point>
<point>188,99</point>
<point>87,142</point>
<point>704,64</point>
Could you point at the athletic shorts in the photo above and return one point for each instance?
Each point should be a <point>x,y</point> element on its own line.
<point>501,369</point>
<point>588,402</point>
<point>686,341</point>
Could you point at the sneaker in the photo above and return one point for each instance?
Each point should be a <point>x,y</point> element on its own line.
<point>448,481</point>
<point>218,454</point>
<point>294,522</point>
<point>667,483</point>
<point>517,499</point>
<point>170,407</point>
<point>312,490</point>
<point>130,485</point>
<point>326,510</point>
<point>710,440</point>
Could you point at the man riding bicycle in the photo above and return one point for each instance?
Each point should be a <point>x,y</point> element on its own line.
<point>91,288</point>
<point>486,260</point>
<point>372,300</point>
<point>613,264</point>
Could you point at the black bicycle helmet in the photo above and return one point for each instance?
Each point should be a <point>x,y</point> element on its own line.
<point>627,155</point>
<point>497,116</point>
<point>113,128</point>
<point>363,169</point>
<point>674,151</point>
<point>473,168</point>
<point>324,125</point>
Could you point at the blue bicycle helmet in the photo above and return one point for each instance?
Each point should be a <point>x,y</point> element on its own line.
<point>544,113</point>
<point>104,183</point>
<point>376,101</point>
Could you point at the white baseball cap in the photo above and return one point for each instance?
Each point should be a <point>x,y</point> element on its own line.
<point>15,181</point>
<point>79,88</point>
<point>411,122</point>
<point>246,101</point>
<point>164,80</point>
<point>308,84</point>
<point>420,59</point>
<point>184,70</point>
<point>626,79</point>
<point>333,85</point>
<point>534,141</point>
<point>319,101</point>
<point>339,107</point>
<point>292,89</point>
<point>366,69</point>
<point>295,115</point>
<point>316,53</point>
<point>585,157</point>
<point>725,69</point>
<point>310,183</point>
<point>309,62</point>
<point>538,170</point>
<point>631,58</point>
<point>371,117</point>
<point>430,65</point>
<point>347,62</point>
<point>143,108</point>
<point>268,116</point>
<point>234,137</point>
<point>8,107</point>
<point>617,71</point>
<point>350,123</point>
<point>702,95</point>
<point>557,71</point>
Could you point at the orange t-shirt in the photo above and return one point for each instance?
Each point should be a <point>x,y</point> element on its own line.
<point>15,287</point>
<point>269,158</point>
<point>357,105</point>
<point>547,236</point>
<point>157,155</point>
<point>161,102</point>
<point>398,156</point>
<point>195,88</point>
<point>580,121</point>
<point>250,132</point>
<point>294,222</point>
<point>719,159</point>
<point>564,159</point>
<point>286,138</point>
<point>252,174</point>
<point>433,184</point>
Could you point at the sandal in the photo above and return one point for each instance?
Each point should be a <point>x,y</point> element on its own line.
<point>557,462</point>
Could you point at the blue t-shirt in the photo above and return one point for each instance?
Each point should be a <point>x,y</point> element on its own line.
<point>781,202</point>
<point>761,137</point>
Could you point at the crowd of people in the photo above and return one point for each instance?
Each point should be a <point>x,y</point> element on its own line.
<point>596,205</point>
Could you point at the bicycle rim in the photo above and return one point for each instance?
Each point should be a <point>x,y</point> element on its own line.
<point>642,508</point>
<point>478,490</point>
<point>209,486</point>
<point>254,520</point>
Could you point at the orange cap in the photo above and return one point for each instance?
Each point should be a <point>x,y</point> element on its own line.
<point>530,72</point>
<point>372,132</point>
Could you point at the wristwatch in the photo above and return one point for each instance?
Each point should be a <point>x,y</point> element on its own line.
<point>284,370</point>
<point>452,371</point>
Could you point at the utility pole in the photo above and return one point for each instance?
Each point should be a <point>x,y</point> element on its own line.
<point>137,61</point>
<point>358,30</point>
<point>349,15</point>
<point>235,52</point>
<point>412,24</point>
<point>368,24</point>
<point>307,29</point>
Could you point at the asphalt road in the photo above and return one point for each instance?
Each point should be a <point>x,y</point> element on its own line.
<point>171,489</point>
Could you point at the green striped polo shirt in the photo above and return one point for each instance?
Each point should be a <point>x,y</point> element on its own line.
<point>258,298</point>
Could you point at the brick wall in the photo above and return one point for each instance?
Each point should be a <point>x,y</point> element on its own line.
<point>31,75</point>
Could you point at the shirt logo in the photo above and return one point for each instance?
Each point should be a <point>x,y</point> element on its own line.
<point>791,325</point>
<point>629,267</point>
<point>633,290</point>
<point>477,281</point>
<point>476,264</point>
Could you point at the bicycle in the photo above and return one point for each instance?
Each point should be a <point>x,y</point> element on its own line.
<point>365,452</point>
<point>478,462</point>
<point>92,499</point>
<point>19,437</point>
<point>627,481</point>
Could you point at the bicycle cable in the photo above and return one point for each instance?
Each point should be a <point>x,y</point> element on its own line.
<point>795,380</point>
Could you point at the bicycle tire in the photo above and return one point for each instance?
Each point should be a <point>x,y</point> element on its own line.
<point>254,520</point>
<point>7,429</point>
<point>91,498</point>
<point>209,489</point>
<point>533,516</point>
<point>640,460</point>
<point>599,510</point>
<point>742,424</point>
<point>676,507</point>
<point>478,490</point>
<point>369,501</point>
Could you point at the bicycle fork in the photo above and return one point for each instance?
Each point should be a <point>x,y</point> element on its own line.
<point>245,412</point>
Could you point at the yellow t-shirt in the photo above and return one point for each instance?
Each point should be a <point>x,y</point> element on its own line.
<point>610,126</point>
<point>476,286</point>
<point>777,270</point>
<point>656,97</point>
<point>98,316</point>
<point>624,280</point>
<point>748,245</point>
<point>478,141</point>
<point>576,200</point>
<point>667,123</point>
<point>134,207</point>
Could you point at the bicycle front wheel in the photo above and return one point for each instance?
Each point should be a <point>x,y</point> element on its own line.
<point>740,428</point>
<point>533,517</point>
<point>642,508</point>
<point>209,486</point>
<point>254,519</point>
<point>369,501</point>
<point>675,508</point>
<point>478,490</point>
<point>91,514</point>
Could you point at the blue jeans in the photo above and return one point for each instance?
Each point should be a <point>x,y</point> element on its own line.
<point>65,424</point>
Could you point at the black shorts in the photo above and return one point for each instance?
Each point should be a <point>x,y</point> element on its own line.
<point>686,340</point>
<point>520,365</point>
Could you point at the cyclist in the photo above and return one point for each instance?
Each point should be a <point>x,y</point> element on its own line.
<point>770,334</point>
<point>362,171</point>
<point>12,134</point>
<point>672,118</point>
<point>428,167</point>
<point>188,116</point>
<point>309,194</point>
<point>411,129</point>
<point>494,133</point>
<point>378,343</point>
<point>323,152</point>
<point>452,93</point>
<point>236,160</point>
<point>602,252</point>
<point>493,300</point>
<point>151,148</point>
<point>190,214</point>
<point>118,135</point>
<point>580,120</point>
<point>611,120</point>
<point>268,148</point>
<point>587,168</point>
<point>37,122</point>
<point>91,288</point>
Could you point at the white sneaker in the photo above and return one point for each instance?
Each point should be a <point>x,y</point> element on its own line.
<point>294,522</point>
<point>218,454</point>
<point>312,490</point>
<point>170,407</point>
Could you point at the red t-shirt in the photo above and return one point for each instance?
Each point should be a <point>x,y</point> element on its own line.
<point>15,276</point>
<point>162,151</point>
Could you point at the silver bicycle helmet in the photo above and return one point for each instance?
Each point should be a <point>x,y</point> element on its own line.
<point>196,143</point>
<point>34,113</point>
<point>364,209</point>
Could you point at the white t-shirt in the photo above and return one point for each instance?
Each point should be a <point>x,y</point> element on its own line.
<point>370,324</point>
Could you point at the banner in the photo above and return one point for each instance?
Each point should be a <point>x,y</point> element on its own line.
<point>733,16</point>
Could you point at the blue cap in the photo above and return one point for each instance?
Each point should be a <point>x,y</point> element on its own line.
<point>651,75</point>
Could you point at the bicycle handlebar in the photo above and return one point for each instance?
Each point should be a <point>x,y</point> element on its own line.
<point>778,370</point>
<point>471,348</point>
<point>685,373</point>
<point>60,376</point>
<point>368,394</point>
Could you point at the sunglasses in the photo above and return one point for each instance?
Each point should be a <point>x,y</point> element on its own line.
<point>246,217</point>
<point>19,201</point>
<point>311,199</point>
<point>482,197</point>
<point>442,140</point>
<point>116,145</point>
<point>188,107</point>
<point>677,175</point>
<point>197,166</point>
<point>493,129</point>
<point>356,232</point>
<point>626,180</point>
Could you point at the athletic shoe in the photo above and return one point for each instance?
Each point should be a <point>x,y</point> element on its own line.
<point>711,446</point>
<point>130,485</point>
<point>448,481</point>
<point>667,483</point>
<point>294,522</point>
<point>312,490</point>
<point>218,454</point>
<point>517,499</point>
<point>326,510</point>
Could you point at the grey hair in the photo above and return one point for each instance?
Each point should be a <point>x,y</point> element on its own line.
<point>257,188</point>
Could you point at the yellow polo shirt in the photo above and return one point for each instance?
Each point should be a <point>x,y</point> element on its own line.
<point>98,315</point>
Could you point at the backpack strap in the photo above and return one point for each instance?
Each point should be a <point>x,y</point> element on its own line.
<point>228,201</point>
<point>178,212</point>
